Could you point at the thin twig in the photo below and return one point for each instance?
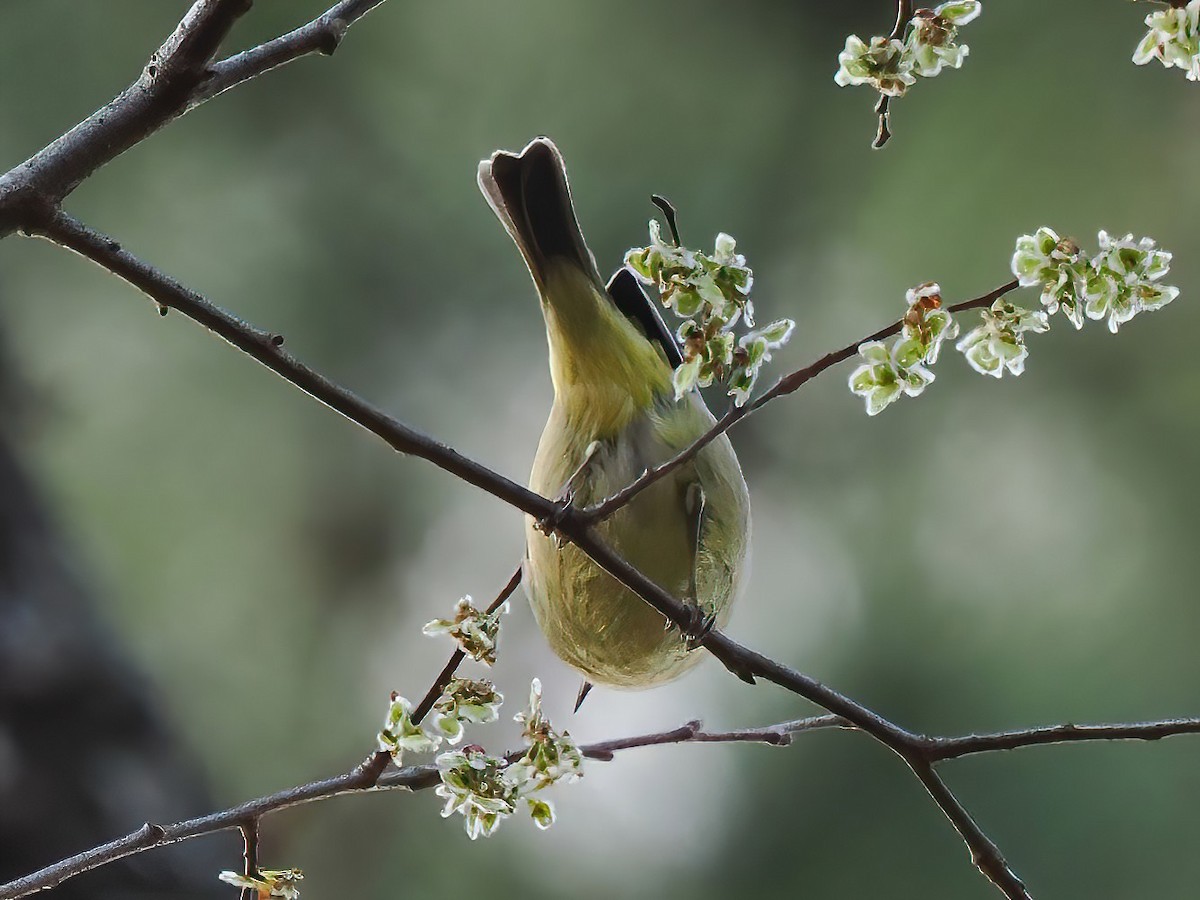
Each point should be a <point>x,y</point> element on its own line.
<point>788,384</point>
<point>985,855</point>
<point>883,109</point>
<point>904,14</point>
<point>952,748</point>
<point>249,855</point>
<point>692,733</point>
<point>321,36</point>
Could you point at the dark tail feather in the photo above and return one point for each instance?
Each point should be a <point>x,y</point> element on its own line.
<point>529,193</point>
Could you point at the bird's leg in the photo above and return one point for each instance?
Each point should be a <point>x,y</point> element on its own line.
<point>700,622</point>
<point>566,498</point>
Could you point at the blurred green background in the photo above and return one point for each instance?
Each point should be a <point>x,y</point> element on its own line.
<point>995,555</point>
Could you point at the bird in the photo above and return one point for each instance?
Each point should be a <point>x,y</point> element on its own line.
<point>615,415</point>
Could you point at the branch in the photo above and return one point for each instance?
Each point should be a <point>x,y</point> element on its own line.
<point>266,347</point>
<point>952,748</point>
<point>177,79</point>
<point>321,36</point>
<point>249,854</point>
<point>159,95</point>
<point>597,512</point>
<point>985,855</point>
<point>883,109</point>
<point>777,735</point>
<point>416,778</point>
<point>413,778</point>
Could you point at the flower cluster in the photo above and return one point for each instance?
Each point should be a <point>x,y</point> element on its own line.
<point>929,44</point>
<point>1173,39</point>
<point>1116,284</point>
<point>474,630</point>
<point>485,789</point>
<point>888,372</point>
<point>268,882</point>
<point>551,757</point>
<point>464,700</point>
<point>711,293</point>
<point>461,701</point>
<point>1059,266</point>
<point>999,343</point>
<point>473,784</point>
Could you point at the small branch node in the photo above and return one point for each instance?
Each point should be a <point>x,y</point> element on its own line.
<point>367,772</point>
<point>883,110</point>
<point>329,38</point>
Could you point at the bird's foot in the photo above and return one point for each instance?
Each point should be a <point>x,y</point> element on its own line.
<point>551,524</point>
<point>699,625</point>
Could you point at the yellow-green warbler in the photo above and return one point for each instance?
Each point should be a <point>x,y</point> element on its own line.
<point>615,414</point>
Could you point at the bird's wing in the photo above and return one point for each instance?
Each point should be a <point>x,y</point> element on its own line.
<point>626,292</point>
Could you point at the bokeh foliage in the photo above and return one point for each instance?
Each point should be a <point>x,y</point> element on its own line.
<point>995,555</point>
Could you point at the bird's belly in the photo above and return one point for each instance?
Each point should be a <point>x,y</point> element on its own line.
<point>593,622</point>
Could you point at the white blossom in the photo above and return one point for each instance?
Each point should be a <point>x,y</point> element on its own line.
<point>1173,39</point>
<point>400,732</point>
<point>474,630</point>
<point>999,343</point>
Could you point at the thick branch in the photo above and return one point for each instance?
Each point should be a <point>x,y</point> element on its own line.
<point>267,348</point>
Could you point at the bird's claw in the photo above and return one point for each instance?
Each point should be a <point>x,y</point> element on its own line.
<point>550,525</point>
<point>699,625</point>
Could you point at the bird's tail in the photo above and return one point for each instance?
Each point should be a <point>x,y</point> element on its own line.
<point>529,193</point>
